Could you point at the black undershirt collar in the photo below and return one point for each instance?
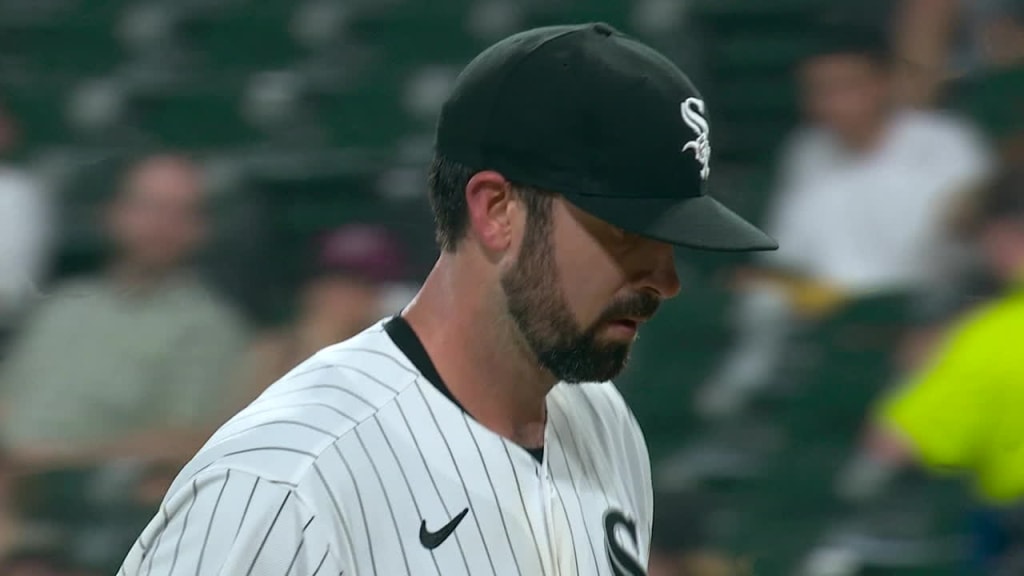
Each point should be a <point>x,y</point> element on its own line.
<point>409,343</point>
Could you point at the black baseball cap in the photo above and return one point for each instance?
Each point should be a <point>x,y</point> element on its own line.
<point>604,120</point>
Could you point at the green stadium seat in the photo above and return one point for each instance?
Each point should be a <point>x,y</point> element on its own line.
<point>369,115</point>
<point>417,35</point>
<point>253,38</point>
<point>73,40</point>
<point>201,117</point>
<point>39,110</point>
<point>742,8</point>
<point>756,96</point>
<point>757,52</point>
<point>751,142</point>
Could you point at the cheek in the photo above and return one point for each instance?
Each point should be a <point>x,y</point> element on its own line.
<point>588,278</point>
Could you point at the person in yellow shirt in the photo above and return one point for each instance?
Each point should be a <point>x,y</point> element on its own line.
<point>963,410</point>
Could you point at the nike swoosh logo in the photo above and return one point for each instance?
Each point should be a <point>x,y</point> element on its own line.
<point>431,540</point>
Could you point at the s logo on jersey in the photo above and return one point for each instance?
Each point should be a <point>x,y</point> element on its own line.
<point>623,563</point>
<point>693,114</point>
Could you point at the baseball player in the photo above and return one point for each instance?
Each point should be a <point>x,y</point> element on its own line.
<point>477,433</point>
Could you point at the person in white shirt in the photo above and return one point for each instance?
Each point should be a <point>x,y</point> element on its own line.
<point>863,191</point>
<point>477,433</point>
<point>25,230</point>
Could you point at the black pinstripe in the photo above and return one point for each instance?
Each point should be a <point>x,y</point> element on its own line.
<point>245,511</point>
<point>295,557</point>
<point>159,538</point>
<point>576,493</point>
<point>321,564</point>
<point>249,415</point>
<point>387,500</point>
<point>263,544</point>
<point>572,533</point>
<point>362,509</point>
<point>334,499</point>
<point>367,376</point>
<point>433,481</point>
<point>462,480</point>
<point>405,478</point>
<point>487,472</point>
<point>589,455</point>
<point>209,526</point>
<point>339,389</point>
<point>397,362</point>
<point>522,501</point>
<point>584,458</point>
<point>184,528</point>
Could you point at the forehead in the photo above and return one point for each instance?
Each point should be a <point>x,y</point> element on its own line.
<point>840,64</point>
<point>163,177</point>
<point>582,224</point>
<point>581,217</point>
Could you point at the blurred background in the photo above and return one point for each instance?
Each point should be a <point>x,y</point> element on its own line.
<point>195,195</point>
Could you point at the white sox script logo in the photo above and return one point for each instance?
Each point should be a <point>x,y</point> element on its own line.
<point>693,114</point>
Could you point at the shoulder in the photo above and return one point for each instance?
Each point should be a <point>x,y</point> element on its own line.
<point>935,123</point>
<point>250,523</point>
<point>204,311</point>
<point>940,132</point>
<point>283,434</point>
<point>207,304</point>
<point>69,294</point>
<point>603,400</point>
<point>17,180</point>
<point>600,414</point>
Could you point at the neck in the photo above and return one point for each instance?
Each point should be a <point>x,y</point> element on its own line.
<point>867,136</point>
<point>478,354</point>
<point>134,277</point>
<point>315,331</point>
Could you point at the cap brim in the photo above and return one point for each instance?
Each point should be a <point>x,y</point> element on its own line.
<point>702,223</point>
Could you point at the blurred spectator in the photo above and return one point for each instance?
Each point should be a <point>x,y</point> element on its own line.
<point>344,293</point>
<point>135,362</point>
<point>858,211</point>
<point>24,229</point>
<point>962,411</point>
<point>924,32</point>
<point>681,542</point>
<point>993,93</point>
<point>6,507</point>
<point>35,562</point>
<point>996,37</point>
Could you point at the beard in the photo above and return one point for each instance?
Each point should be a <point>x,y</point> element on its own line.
<point>572,353</point>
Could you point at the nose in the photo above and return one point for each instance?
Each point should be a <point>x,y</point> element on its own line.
<point>659,271</point>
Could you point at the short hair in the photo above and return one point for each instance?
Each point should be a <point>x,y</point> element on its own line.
<point>835,35</point>
<point>447,183</point>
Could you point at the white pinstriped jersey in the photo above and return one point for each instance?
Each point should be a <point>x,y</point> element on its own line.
<point>359,462</point>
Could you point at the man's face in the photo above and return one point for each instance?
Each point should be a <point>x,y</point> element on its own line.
<point>1002,246</point>
<point>844,93</point>
<point>1002,42</point>
<point>579,288</point>
<point>157,221</point>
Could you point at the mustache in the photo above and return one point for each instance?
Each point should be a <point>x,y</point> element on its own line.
<point>639,305</point>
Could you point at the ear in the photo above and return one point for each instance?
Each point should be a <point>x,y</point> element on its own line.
<point>489,200</point>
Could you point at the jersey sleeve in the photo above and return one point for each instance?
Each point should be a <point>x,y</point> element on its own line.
<point>941,411</point>
<point>226,523</point>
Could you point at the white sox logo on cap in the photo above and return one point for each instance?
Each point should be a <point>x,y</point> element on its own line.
<point>693,114</point>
